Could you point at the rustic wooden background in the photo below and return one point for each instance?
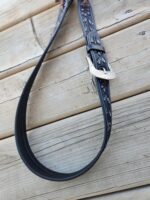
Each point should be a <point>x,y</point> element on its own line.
<point>65,124</point>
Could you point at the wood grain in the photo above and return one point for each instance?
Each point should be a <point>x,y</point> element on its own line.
<point>107,14</point>
<point>68,144</point>
<point>17,45</point>
<point>12,12</point>
<point>136,194</point>
<point>68,75</point>
<point>119,15</point>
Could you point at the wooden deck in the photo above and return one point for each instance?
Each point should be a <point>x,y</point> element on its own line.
<point>65,124</point>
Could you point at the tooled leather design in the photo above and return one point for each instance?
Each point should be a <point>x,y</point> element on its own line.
<point>99,59</point>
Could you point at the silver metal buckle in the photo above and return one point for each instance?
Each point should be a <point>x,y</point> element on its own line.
<point>103,74</point>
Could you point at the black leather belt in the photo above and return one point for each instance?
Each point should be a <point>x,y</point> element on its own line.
<point>102,73</point>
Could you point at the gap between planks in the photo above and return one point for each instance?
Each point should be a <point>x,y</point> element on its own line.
<point>129,60</point>
<point>7,21</point>
<point>134,194</point>
<point>69,144</point>
<point>41,34</point>
<point>72,115</point>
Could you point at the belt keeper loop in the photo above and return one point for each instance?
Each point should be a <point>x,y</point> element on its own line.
<point>97,47</point>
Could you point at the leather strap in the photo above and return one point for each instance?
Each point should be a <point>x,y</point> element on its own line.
<point>97,55</point>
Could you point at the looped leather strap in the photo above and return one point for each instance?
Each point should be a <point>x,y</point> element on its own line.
<point>99,60</point>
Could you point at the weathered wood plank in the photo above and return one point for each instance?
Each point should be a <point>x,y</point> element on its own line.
<point>138,194</point>
<point>17,45</point>
<point>68,75</point>
<point>68,144</point>
<point>107,14</point>
<point>112,18</point>
<point>12,12</point>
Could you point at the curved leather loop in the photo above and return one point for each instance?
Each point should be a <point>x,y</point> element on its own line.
<point>99,60</point>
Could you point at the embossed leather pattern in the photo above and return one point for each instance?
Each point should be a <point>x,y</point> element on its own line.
<point>96,52</point>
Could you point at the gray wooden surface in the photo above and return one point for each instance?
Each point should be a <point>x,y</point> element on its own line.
<point>64,115</point>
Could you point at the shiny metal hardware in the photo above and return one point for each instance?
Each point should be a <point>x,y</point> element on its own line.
<point>103,74</point>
